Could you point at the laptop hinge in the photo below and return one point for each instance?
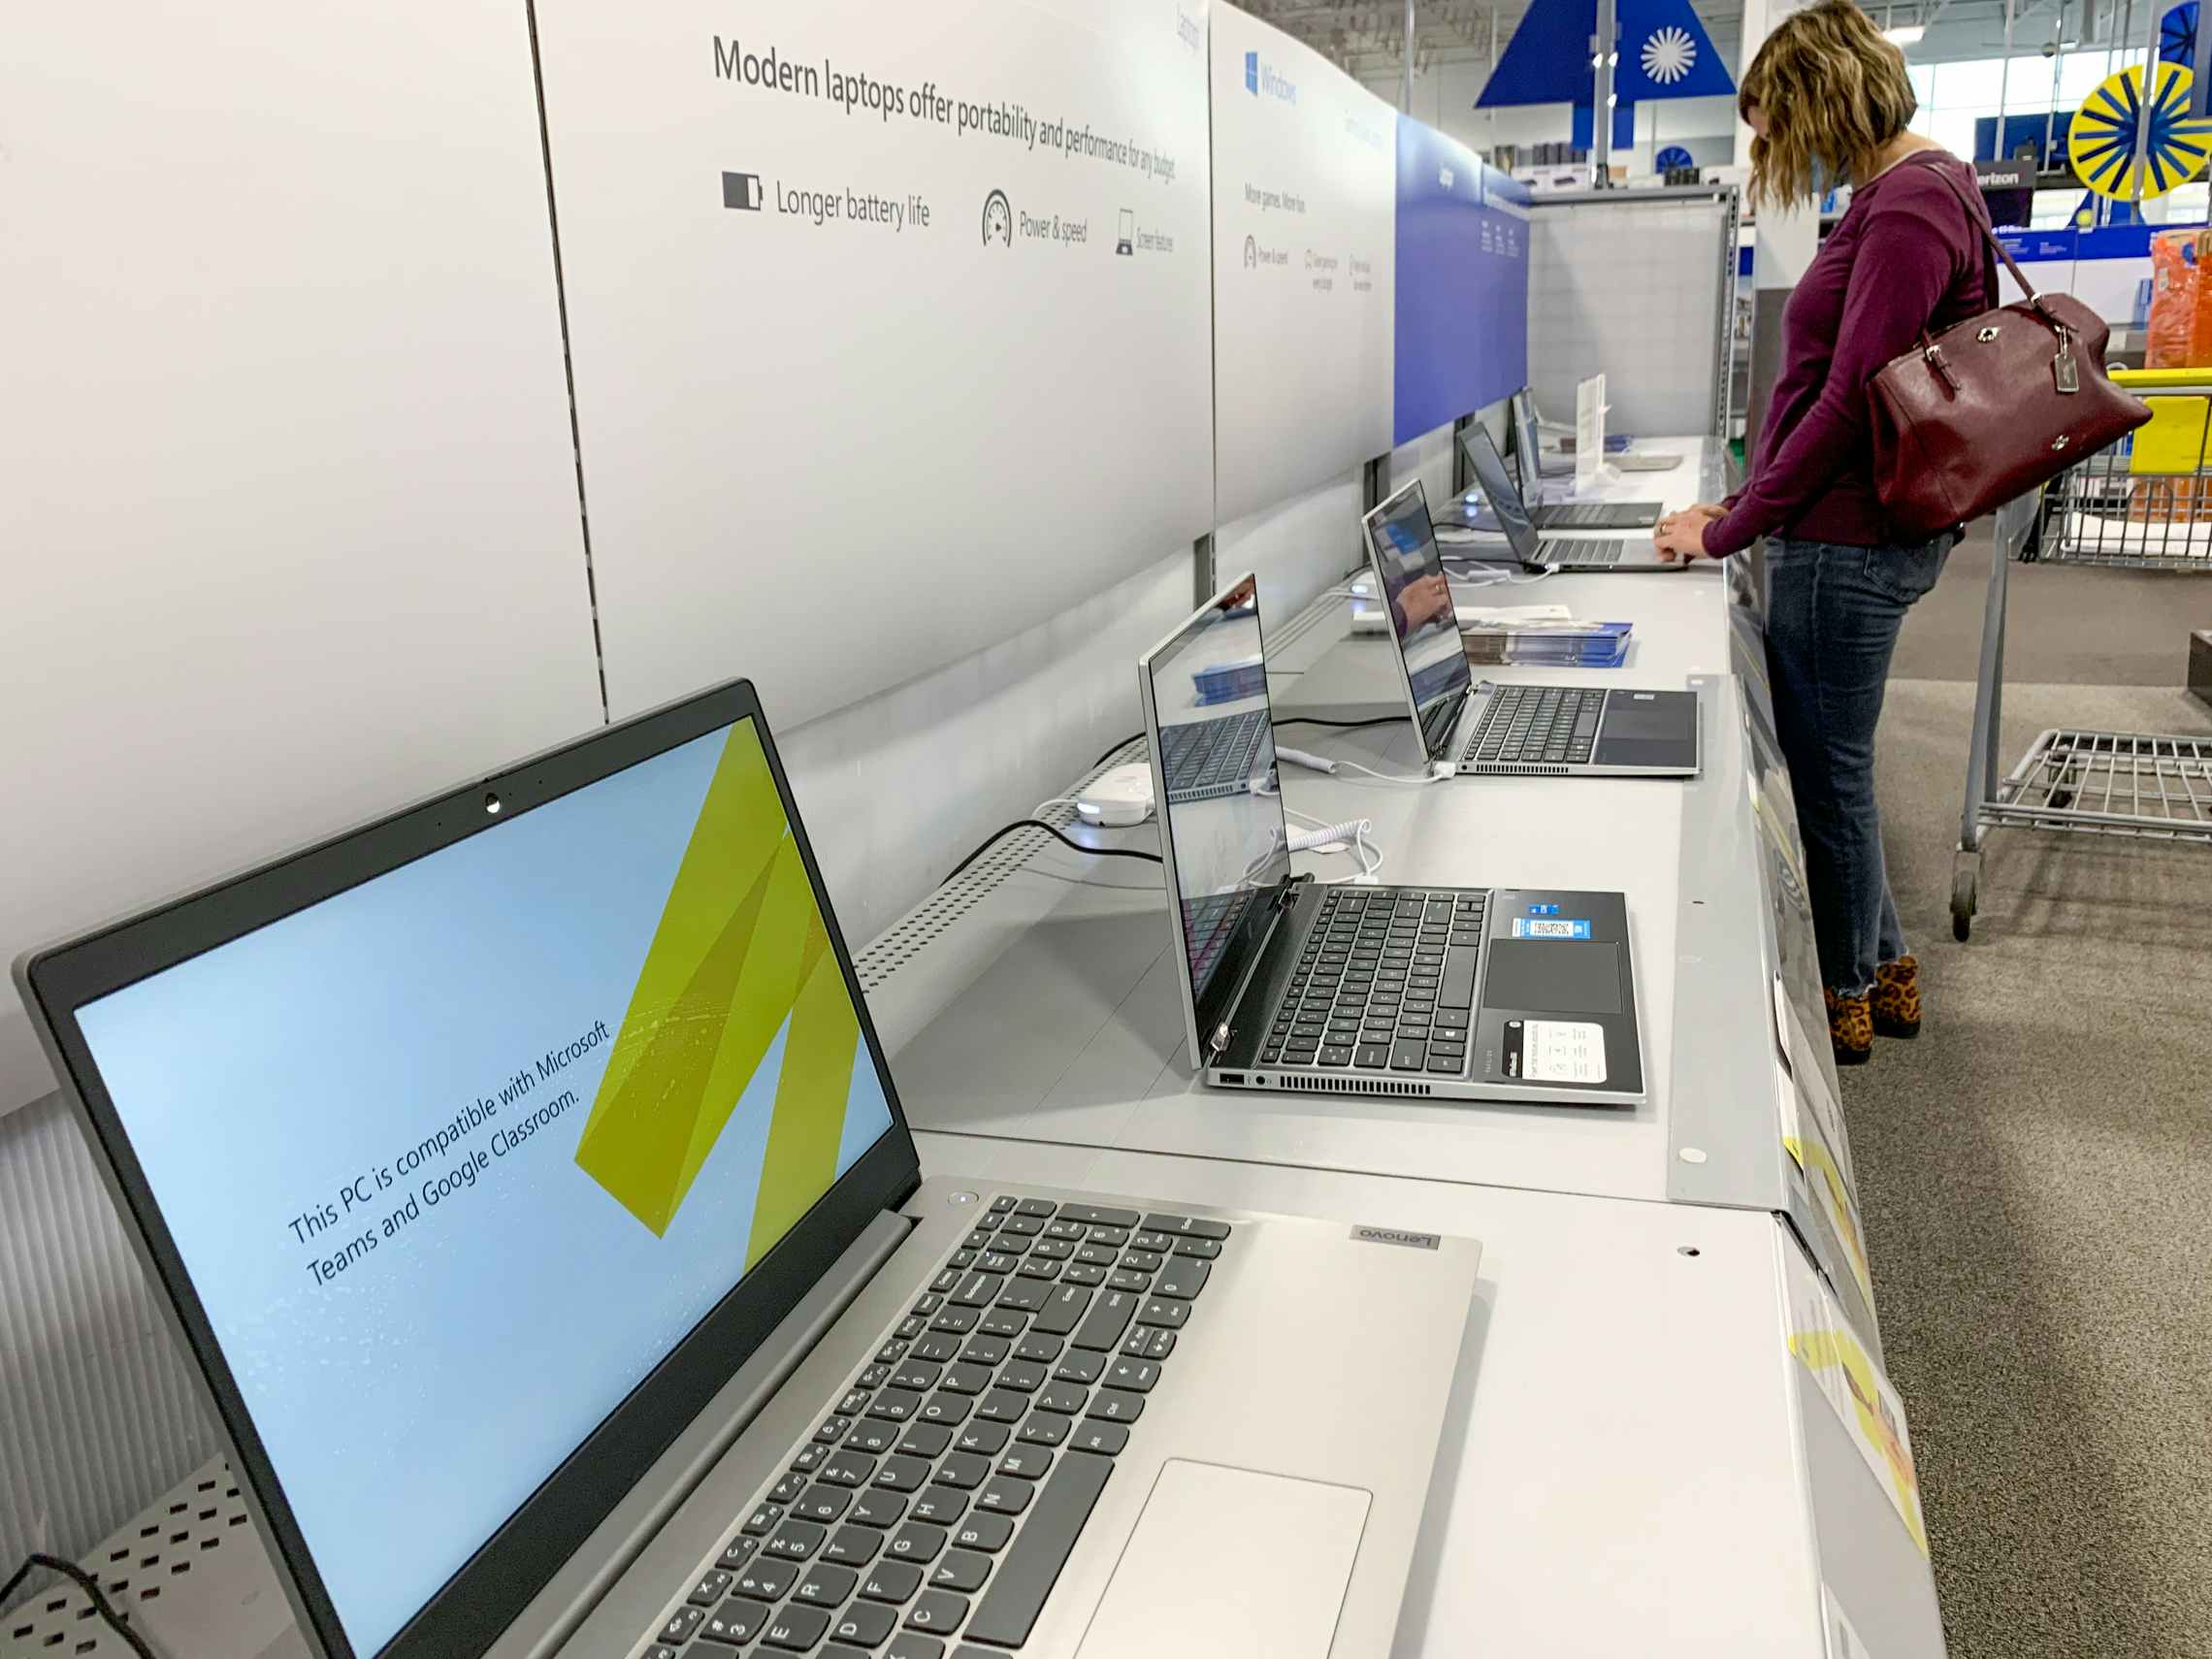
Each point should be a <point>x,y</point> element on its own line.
<point>1285,895</point>
<point>553,1615</point>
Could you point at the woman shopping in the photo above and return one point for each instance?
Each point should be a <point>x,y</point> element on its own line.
<point>1828,100</point>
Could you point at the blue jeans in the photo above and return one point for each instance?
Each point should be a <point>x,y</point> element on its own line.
<point>1833,615</point>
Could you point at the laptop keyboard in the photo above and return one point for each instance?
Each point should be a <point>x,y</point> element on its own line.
<point>1385,983</point>
<point>942,1495</point>
<point>1579,515</point>
<point>1556,724</point>
<point>1209,758</point>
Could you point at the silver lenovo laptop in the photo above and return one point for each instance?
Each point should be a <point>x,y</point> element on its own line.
<point>1522,729</point>
<point>524,1174</point>
<point>1525,545</point>
<point>1459,993</point>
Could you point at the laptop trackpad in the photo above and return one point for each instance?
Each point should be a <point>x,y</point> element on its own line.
<point>1648,728</point>
<point>1553,977</point>
<point>1230,1562</point>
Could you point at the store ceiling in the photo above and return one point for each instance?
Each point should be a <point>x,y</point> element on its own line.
<point>1367,37</point>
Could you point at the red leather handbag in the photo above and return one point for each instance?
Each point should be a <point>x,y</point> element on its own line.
<point>1992,406</point>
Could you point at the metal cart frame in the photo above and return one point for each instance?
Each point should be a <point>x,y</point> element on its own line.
<point>2111,512</point>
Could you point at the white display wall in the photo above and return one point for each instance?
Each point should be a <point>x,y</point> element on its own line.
<point>287,500</point>
<point>972,238</point>
<point>1305,201</point>
<point>902,345</point>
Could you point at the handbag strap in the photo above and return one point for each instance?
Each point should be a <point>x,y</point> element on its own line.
<point>1978,218</point>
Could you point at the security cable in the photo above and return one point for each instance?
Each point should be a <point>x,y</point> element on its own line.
<point>84,1581</point>
<point>1000,834</point>
<point>1342,725</point>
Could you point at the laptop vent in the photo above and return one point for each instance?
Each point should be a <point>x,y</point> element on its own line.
<point>912,933</point>
<point>135,1565</point>
<point>1499,769</point>
<point>1340,1084</point>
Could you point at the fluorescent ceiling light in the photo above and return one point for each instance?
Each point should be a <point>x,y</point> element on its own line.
<point>1904,34</point>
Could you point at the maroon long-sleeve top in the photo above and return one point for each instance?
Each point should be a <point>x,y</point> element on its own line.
<point>1905,257</point>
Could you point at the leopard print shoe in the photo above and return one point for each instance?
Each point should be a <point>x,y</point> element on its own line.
<point>1896,999</point>
<point>1850,1029</point>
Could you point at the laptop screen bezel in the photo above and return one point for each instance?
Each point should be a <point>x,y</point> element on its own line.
<point>1222,989</point>
<point>1527,543</point>
<point>1436,743</point>
<point>494,1586</point>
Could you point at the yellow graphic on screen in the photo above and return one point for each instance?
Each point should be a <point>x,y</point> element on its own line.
<point>741,949</point>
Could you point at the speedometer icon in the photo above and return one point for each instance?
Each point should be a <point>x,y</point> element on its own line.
<point>997,219</point>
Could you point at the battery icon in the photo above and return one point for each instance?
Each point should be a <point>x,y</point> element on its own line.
<point>741,190</point>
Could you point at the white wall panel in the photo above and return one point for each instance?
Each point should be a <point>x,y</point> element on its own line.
<point>287,495</point>
<point>897,789</point>
<point>1305,203</point>
<point>1297,547</point>
<point>1038,407</point>
<point>1430,458</point>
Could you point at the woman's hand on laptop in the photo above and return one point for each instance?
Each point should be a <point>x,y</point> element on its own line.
<point>1681,535</point>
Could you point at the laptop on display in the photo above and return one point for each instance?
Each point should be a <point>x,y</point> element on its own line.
<point>1527,423</point>
<point>1457,994</point>
<point>1528,456</point>
<point>1569,553</point>
<point>525,1177</point>
<point>1522,729</point>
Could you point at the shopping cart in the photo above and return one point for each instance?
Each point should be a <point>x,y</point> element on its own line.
<point>2145,504</point>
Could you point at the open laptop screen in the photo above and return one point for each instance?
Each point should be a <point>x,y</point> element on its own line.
<point>458,1156</point>
<point>1402,543</point>
<point>1224,840</point>
<point>1499,492</point>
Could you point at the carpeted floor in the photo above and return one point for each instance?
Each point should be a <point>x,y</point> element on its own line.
<point>2036,1169</point>
<point>2069,624</point>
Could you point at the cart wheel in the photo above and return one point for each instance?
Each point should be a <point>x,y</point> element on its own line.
<point>1965,876</point>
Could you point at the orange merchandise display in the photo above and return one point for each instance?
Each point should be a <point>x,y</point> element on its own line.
<point>2171,332</point>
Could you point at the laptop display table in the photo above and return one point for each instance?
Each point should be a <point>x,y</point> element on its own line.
<point>1633,1460</point>
<point>1036,998</point>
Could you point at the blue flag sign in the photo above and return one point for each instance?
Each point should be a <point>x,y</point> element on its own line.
<point>1582,134</point>
<point>1664,52</point>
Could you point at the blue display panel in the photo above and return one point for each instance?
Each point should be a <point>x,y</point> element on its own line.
<point>1462,283</point>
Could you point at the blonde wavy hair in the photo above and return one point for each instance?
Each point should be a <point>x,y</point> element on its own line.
<point>1830,88</point>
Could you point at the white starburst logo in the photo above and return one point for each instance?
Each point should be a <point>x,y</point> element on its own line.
<point>1667,55</point>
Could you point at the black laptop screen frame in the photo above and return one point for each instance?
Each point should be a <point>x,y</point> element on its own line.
<point>1211,1005</point>
<point>1435,718</point>
<point>1507,505</point>
<point>493,1587</point>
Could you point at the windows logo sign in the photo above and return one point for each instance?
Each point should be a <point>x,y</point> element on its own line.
<point>1264,80</point>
